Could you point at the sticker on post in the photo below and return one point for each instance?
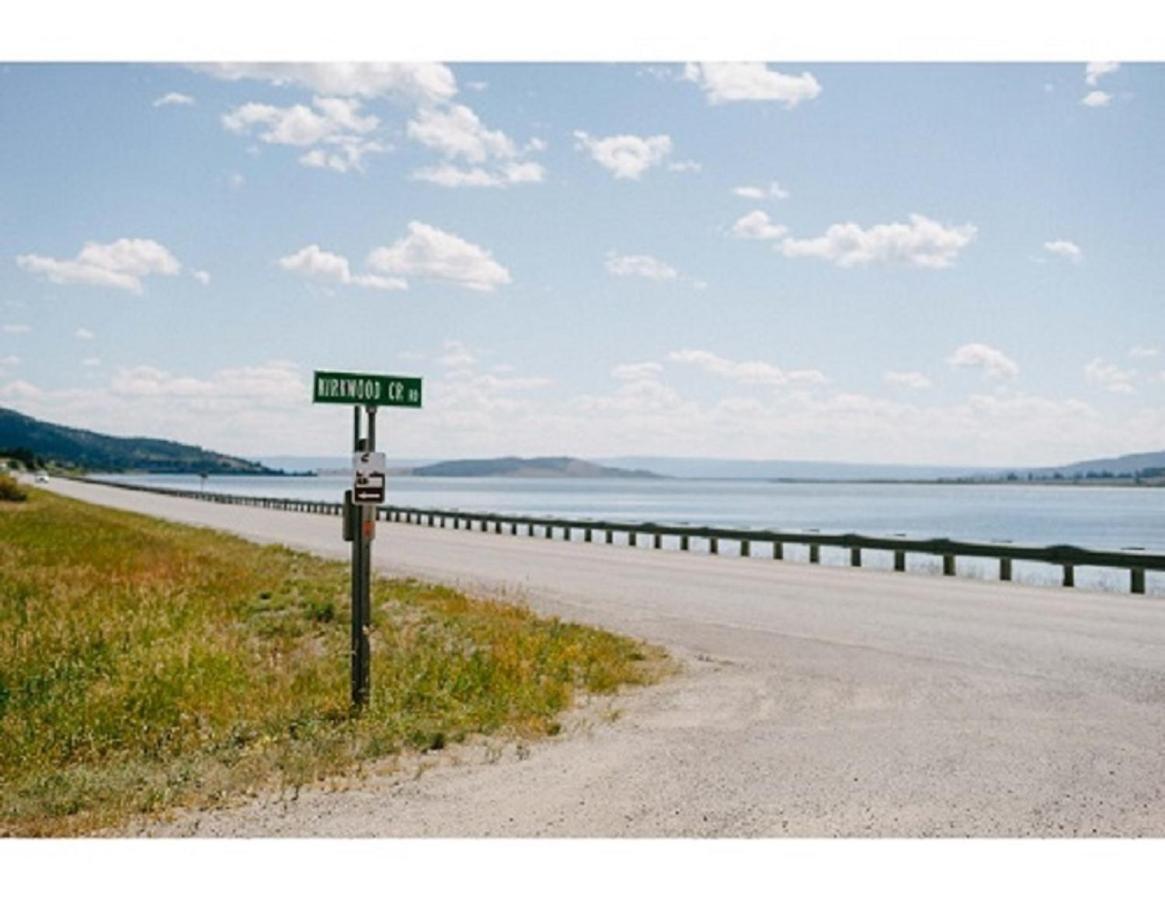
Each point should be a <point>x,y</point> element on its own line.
<point>368,488</point>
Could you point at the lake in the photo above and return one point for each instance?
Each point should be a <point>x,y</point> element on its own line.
<point>1095,517</point>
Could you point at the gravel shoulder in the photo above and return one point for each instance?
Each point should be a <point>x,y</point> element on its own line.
<point>813,701</point>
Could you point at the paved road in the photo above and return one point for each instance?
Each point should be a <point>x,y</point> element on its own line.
<point>815,701</point>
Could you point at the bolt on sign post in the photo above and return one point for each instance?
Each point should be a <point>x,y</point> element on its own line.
<point>368,491</point>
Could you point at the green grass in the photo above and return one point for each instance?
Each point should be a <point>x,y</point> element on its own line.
<point>146,665</point>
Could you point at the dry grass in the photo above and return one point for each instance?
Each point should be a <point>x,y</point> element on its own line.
<point>146,665</point>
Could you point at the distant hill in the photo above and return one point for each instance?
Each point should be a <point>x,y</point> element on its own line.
<point>534,467</point>
<point>778,469</point>
<point>76,448</point>
<point>1129,464</point>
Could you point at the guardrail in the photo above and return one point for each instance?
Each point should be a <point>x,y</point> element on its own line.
<point>1066,556</point>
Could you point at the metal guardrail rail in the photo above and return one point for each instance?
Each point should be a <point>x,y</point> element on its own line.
<point>1068,557</point>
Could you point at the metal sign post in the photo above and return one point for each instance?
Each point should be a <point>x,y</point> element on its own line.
<point>367,492</point>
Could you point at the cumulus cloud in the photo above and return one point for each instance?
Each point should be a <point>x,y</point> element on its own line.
<point>993,363</point>
<point>922,242</point>
<point>1066,249</point>
<point>1140,351</point>
<point>487,158</point>
<point>753,192</point>
<point>456,355</point>
<point>84,334</point>
<point>429,252</point>
<point>756,226</point>
<point>174,99</point>
<point>122,264</point>
<point>15,328</point>
<point>640,266</point>
<point>1094,71</point>
<point>625,155</point>
<point>915,380</point>
<point>747,372</point>
<point>322,265</point>
<point>1096,99</point>
<point>685,165</point>
<point>736,81</point>
<point>336,132</point>
<point>417,82</point>
<point>1109,376</point>
<point>201,276</point>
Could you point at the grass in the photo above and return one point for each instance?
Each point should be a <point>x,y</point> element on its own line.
<point>146,665</point>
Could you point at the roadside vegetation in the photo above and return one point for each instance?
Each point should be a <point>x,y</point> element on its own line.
<point>146,665</point>
<point>10,490</point>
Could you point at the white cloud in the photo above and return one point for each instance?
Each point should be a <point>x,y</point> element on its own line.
<point>323,265</point>
<point>91,361</point>
<point>748,372</point>
<point>335,125</point>
<point>456,355</point>
<point>270,384</point>
<point>640,266</point>
<point>489,158</point>
<point>429,252</point>
<point>756,226</point>
<point>236,180</point>
<point>915,380</point>
<point>411,81</point>
<point>994,363</point>
<point>923,243</point>
<point>686,165</point>
<point>625,155</point>
<point>1109,376</point>
<point>20,390</point>
<point>174,99</point>
<point>1094,71</point>
<point>1064,248</point>
<point>9,362</point>
<point>15,328</point>
<point>735,81</point>
<point>1096,99</point>
<point>201,276</point>
<point>1142,352</point>
<point>84,334</point>
<point>122,264</point>
<point>752,192</point>
<point>636,371</point>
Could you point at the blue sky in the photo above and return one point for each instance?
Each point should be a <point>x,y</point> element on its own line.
<point>889,263</point>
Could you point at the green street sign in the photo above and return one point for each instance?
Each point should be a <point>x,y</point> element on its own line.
<point>363,389</point>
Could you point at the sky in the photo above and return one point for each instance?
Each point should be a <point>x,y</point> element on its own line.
<point>898,263</point>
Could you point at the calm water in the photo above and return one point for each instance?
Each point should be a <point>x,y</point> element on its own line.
<point>1096,517</point>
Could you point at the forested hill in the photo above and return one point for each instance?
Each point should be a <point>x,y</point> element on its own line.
<point>76,448</point>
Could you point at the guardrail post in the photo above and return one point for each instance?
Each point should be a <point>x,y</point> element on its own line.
<point>549,532</point>
<point>814,553</point>
<point>778,550</point>
<point>899,560</point>
<point>744,548</point>
<point>1004,568</point>
<point>1137,581</point>
<point>948,564</point>
<point>657,541</point>
<point>498,527</point>
<point>631,536</point>
<point>855,556</point>
<point>1069,575</point>
<point>529,529</point>
<point>684,542</point>
<point>587,536</point>
<point>513,528</point>
<point>713,546</point>
<point>610,537</point>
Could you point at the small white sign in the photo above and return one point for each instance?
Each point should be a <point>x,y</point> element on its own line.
<point>370,468</point>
